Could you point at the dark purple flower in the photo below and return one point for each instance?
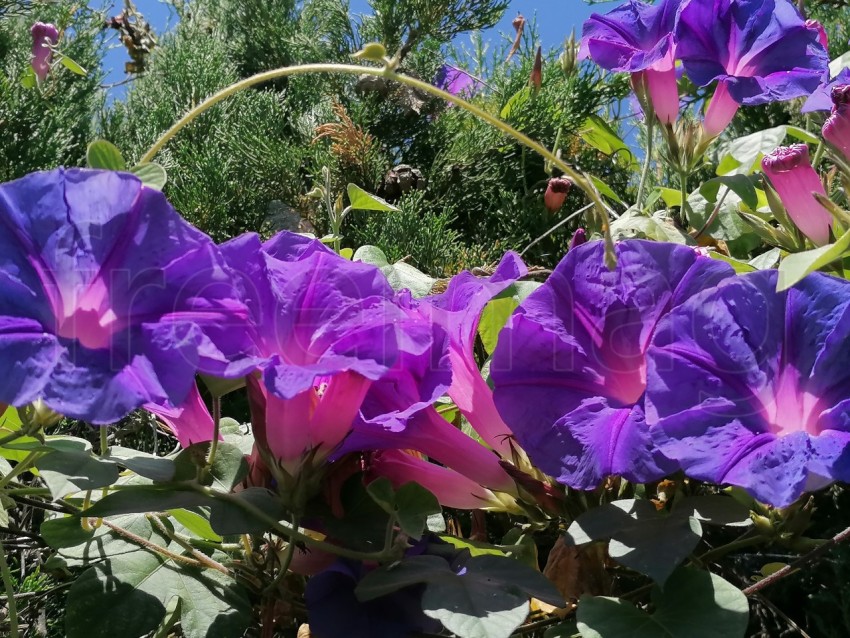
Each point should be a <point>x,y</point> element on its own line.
<point>109,298</point>
<point>751,387</point>
<point>457,81</point>
<point>821,99</point>
<point>637,38</point>
<point>791,174</point>
<point>333,609</point>
<point>324,328</point>
<point>43,37</point>
<point>758,51</point>
<point>570,369</point>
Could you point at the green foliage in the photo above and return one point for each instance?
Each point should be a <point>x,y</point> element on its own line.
<point>50,125</point>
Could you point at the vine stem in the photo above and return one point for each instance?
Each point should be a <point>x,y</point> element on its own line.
<point>290,533</point>
<point>804,560</point>
<point>578,178</point>
<point>650,133</point>
<point>216,417</point>
<point>10,593</point>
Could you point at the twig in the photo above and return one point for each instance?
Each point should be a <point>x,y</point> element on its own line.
<point>555,227</point>
<point>804,560</point>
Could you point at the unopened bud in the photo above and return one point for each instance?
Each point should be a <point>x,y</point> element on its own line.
<point>579,238</point>
<point>556,192</point>
<point>567,59</point>
<point>536,78</point>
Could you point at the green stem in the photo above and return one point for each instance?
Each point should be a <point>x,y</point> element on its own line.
<point>741,543</point>
<point>578,178</point>
<point>291,533</point>
<point>216,416</point>
<point>650,134</point>
<point>10,593</point>
<point>287,560</point>
<point>683,188</point>
<point>818,154</point>
<point>104,441</point>
<point>20,468</point>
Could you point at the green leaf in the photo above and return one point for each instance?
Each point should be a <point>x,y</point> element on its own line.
<point>220,387</point>
<point>742,155</point>
<point>567,629</point>
<point>413,570</point>
<point>382,492</point>
<point>496,313</point>
<point>150,466</point>
<point>152,175</point>
<point>604,189</point>
<point>516,102</point>
<point>727,226</point>
<point>195,523</point>
<point>766,260</point>
<point>229,467</point>
<point>414,504</point>
<point>475,548</point>
<point>485,611</point>
<point>228,518</point>
<point>361,200</point>
<point>740,266</point>
<point>347,253</point>
<point>400,275</point>
<point>364,523</point>
<point>103,154</point>
<point>67,472</point>
<point>80,548</point>
<point>694,604</point>
<point>29,79</point>
<point>641,538</point>
<point>714,509</point>
<point>841,62</point>
<point>129,595</point>
<point>741,185</point>
<point>237,435</point>
<point>72,66</point>
<point>634,224</point>
<point>801,134</point>
<point>146,498</point>
<point>671,196</point>
<point>603,138</point>
<point>796,266</point>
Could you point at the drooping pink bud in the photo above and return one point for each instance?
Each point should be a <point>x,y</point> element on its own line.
<point>816,26</point>
<point>579,238</point>
<point>451,488</point>
<point>535,80</point>
<point>836,129</point>
<point>791,174</point>
<point>43,37</point>
<point>720,112</point>
<point>556,192</point>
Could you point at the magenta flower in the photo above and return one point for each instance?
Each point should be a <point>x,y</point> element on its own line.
<point>110,299</point>
<point>751,387</point>
<point>44,36</point>
<point>451,488</point>
<point>637,38</point>
<point>324,330</point>
<point>458,310</point>
<point>190,422</point>
<point>757,51</point>
<point>792,176</point>
<point>570,368</point>
<point>836,129</point>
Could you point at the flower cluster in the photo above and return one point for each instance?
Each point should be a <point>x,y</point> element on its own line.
<point>754,51</point>
<point>671,362</point>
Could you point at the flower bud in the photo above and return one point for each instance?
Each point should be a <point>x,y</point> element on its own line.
<point>792,176</point>
<point>567,59</point>
<point>579,238</point>
<point>535,80</point>
<point>817,27</point>
<point>836,129</point>
<point>556,192</point>
<point>43,37</point>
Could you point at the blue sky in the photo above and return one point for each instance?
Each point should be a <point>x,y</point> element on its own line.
<point>555,19</point>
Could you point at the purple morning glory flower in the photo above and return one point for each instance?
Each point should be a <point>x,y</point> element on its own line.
<point>333,609</point>
<point>324,330</point>
<point>44,36</point>
<point>457,81</point>
<point>637,38</point>
<point>570,368</point>
<point>109,298</point>
<point>751,387</point>
<point>821,99</point>
<point>190,422</point>
<point>458,310</point>
<point>758,51</point>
